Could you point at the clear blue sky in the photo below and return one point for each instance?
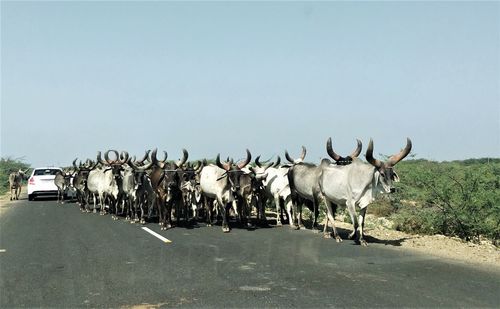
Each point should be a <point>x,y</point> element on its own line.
<point>77,77</point>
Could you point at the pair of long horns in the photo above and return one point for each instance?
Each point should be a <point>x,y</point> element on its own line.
<point>336,157</point>
<point>393,160</point>
<point>179,163</point>
<point>272,164</point>
<point>228,164</point>
<point>302,156</point>
<point>120,158</point>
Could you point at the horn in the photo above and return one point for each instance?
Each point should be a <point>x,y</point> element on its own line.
<point>106,156</point>
<point>99,159</point>
<point>74,163</point>
<point>124,157</point>
<point>146,155</point>
<point>224,166</point>
<point>140,168</point>
<point>278,161</point>
<point>90,165</point>
<point>401,155</point>
<point>303,154</point>
<point>244,163</point>
<point>330,151</point>
<point>356,152</point>
<point>287,156</point>
<point>155,160</point>
<point>257,161</point>
<point>185,156</point>
<point>369,156</point>
<point>199,165</point>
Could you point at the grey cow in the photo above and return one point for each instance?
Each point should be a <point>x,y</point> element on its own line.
<point>15,183</point>
<point>62,180</point>
<point>357,184</point>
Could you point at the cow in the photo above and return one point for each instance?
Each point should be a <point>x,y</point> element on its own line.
<point>303,179</point>
<point>106,181</point>
<point>221,182</point>
<point>15,183</point>
<point>62,180</point>
<point>80,182</point>
<point>277,187</point>
<point>252,191</point>
<point>166,181</point>
<point>190,188</point>
<point>304,189</point>
<point>357,184</point>
<point>137,189</point>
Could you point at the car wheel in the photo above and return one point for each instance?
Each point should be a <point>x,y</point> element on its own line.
<point>31,197</point>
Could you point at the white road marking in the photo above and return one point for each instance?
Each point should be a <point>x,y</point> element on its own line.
<point>156,235</point>
<point>3,250</point>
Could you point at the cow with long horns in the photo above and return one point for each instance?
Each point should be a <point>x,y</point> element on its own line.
<point>106,181</point>
<point>221,182</point>
<point>166,181</point>
<point>357,185</point>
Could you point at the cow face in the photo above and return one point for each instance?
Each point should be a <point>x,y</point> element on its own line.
<point>387,178</point>
<point>387,175</point>
<point>233,177</point>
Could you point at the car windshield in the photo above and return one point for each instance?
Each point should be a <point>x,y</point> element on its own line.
<point>45,172</point>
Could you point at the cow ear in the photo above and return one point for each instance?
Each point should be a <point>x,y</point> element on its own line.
<point>395,177</point>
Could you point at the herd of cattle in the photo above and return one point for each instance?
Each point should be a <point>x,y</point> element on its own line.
<point>188,191</point>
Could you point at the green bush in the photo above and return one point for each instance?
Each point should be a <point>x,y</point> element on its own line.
<point>459,198</point>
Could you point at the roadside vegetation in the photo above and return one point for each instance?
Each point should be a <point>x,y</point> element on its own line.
<point>458,198</point>
<point>7,166</point>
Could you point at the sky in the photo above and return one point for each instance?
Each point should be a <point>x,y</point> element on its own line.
<point>220,77</point>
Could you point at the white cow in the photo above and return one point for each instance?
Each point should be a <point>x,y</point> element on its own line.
<point>357,185</point>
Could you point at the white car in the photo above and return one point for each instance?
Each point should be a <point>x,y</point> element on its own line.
<point>41,182</point>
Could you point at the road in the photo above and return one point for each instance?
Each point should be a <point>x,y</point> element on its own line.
<point>55,256</point>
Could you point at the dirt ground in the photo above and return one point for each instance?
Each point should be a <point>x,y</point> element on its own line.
<point>484,254</point>
<point>378,230</point>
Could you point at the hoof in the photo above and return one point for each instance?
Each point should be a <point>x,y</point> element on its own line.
<point>296,227</point>
<point>302,226</point>
<point>327,235</point>
<point>315,230</point>
<point>225,229</point>
<point>279,223</point>
<point>338,239</point>
<point>351,236</point>
<point>363,243</point>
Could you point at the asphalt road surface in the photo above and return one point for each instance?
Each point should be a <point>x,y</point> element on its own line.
<point>55,256</point>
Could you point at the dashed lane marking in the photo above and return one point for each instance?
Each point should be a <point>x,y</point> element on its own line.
<point>3,250</point>
<point>165,240</point>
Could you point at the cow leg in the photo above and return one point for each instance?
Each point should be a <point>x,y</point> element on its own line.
<point>362,213</point>
<point>352,213</point>
<point>168,215</point>
<point>289,210</point>
<point>160,204</point>
<point>278,210</point>
<point>225,215</point>
<point>94,196</point>
<point>314,227</point>
<point>299,218</point>
<point>331,209</point>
